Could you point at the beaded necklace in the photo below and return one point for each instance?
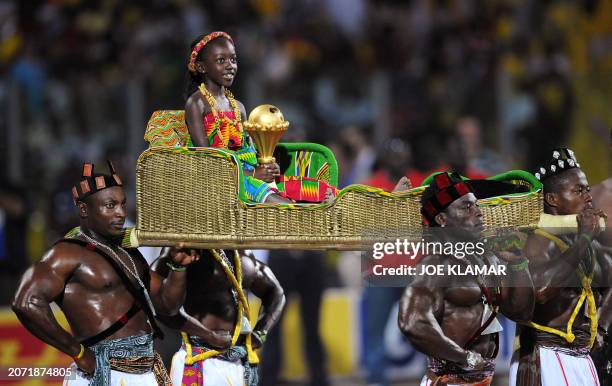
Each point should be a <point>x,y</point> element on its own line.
<point>220,117</point>
<point>133,272</point>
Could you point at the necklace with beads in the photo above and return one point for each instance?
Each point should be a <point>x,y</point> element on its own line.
<point>220,117</point>
<point>133,272</point>
<point>229,266</point>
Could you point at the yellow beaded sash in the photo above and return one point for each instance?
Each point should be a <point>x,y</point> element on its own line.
<point>587,294</point>
<point>242,307</point>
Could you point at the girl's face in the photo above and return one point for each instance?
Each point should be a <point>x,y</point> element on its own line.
<point>220,63</point>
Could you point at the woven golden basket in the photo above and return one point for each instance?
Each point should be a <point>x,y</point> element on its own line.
<point>191,195</point>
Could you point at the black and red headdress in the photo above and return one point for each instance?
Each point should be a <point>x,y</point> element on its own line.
<point>444,189</point>
<point>94,182</point>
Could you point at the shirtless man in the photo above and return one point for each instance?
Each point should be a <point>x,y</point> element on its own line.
<point>218,340</point>
<point>106,292</point>
<point>572,316</point>
<point>449,318</point>
<point>602,198</point>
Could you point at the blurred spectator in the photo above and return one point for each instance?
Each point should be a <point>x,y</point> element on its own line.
<point>363,154</point>
<point>13,231</point>
<point>393,161</point>
<point>551,88</point>
<point>478,158</point>
<point>301,273</point>
<point>428,157</point>
<point>457,158</point>
<point>80,67</point>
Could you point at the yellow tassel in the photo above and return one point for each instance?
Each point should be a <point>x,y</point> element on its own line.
<point>251,354</point>
<point>587,294</point>
<point>243,304</point>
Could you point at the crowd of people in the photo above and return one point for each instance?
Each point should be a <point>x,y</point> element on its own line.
<point>393,88</point>
<point>82,78</point>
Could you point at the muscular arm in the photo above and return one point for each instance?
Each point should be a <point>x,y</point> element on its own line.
<point>518,295</point>
<point>39,287</point>
<point>420,306</point>
<point>604,311</point>
<point>549,269</point>
<point>181,320</point>
<point>168,291</point>
<point>261,281</point>
<point>602,198</point>
<point>185,322</point>
<point>194,113</point>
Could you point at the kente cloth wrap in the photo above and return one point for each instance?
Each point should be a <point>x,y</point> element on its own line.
<point>193,374</point>
<point>305,189</point>
<point>228,135</point>
<point>257,190</point>
<point>238,141</point>
<point>450,373</point>
<point>126,348</point>
<point>304,179</point>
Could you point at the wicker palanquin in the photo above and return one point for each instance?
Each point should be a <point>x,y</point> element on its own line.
<point>193,195</point>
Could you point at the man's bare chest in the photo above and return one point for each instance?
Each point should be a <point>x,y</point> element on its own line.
<point>96,273</point>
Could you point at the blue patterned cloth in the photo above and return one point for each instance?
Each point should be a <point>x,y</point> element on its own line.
<point>130,347</point>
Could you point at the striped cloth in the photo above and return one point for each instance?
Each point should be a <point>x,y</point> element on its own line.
<point>549,360</point>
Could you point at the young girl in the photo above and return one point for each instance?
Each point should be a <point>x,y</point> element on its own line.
<point>214,117</point>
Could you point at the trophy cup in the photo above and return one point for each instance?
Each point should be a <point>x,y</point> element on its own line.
<point>266,125</point>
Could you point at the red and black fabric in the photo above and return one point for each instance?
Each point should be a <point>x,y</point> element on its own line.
<point>445,189</point>
<point>113,328</point>
<point>94,182</point>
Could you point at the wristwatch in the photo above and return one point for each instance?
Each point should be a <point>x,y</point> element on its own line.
<point>472,359</point>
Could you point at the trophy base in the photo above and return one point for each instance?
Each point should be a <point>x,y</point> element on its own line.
<point>266,160</point>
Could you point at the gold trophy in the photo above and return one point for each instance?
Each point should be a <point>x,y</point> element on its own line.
<point>266,125</point>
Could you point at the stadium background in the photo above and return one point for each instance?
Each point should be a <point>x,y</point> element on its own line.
<point>482,86</point>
